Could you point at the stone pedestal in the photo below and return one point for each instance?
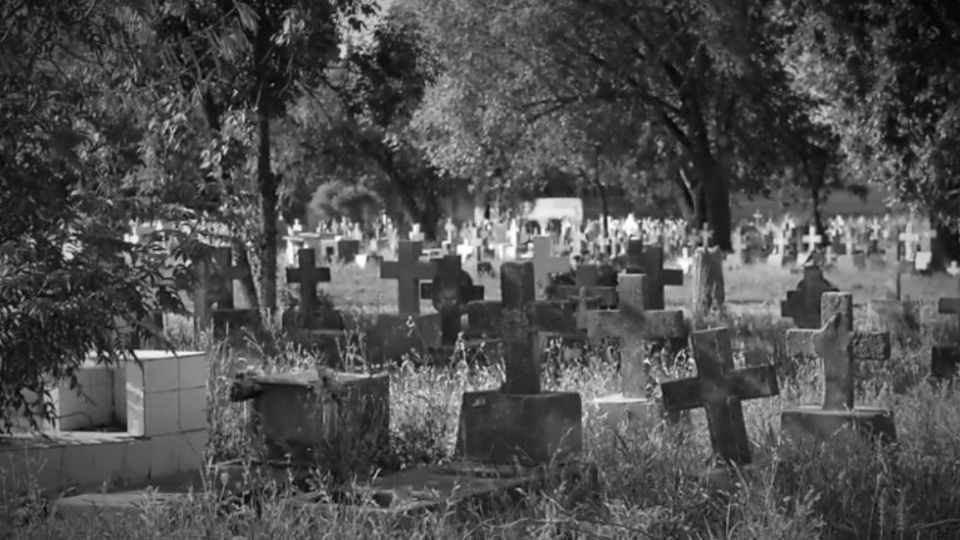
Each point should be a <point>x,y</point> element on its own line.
<point>819,424</point>
<point>323,420</point>
<point>537,429</point>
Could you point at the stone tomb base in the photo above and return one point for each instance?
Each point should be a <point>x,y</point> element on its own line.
<point>816,423</point>
<point>535,429</point>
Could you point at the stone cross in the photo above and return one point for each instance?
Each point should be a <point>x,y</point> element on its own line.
<point>308,275</point>
<point>719,389</point>
<point>803,304</point>
<point>648,260</point>
<point>451,290</point>
<point>544,263</point>
<point>408,270</point>
<point>522,317</point>
<point>812,239</point>
<point>216,274</point>
<point>910,239</point>
<point>862,346</point>
<point>631,324</point>
<point>836,344</point>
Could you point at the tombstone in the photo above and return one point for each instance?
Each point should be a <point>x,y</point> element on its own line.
<point>213,298</point>
<point>308,275</point>
<point>544,263</point>
<point>648,260</point>
<point>348,249</point>
<point>911,241</point>
<point>839,348</point>
<point>777,256</point>
<point>632,325</point>
<point>519,423</point>
<point>450,290</point>
<point>945,357</point>
<point>408,270</point>
<point>803,304</point>
<point>719,389</point>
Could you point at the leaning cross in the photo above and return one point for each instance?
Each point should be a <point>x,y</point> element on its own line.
<point>408,270</point>
<point>863,346</point>
<point>719,388</point>
<point>308,275</point>
<point>216,274</point>
<point>648,260</point>
<point>632,325</point>
<point>544,263</point>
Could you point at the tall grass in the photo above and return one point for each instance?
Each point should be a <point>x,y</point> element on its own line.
<point>639,479</point>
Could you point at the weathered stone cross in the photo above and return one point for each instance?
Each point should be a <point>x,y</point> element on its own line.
<point>648,260</point>
<point>864,346</point>
<point>803,304</point>
<point>451,290</point>
<point>408,270</point>
<point>812,239</point>
<point>910,240</point>
<point>719,389</point>
<point>631,324</point>
<point>840,348</point>
<point>308,275</point>
<point>588,277</point>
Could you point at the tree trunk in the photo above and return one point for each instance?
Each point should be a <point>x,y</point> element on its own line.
<point>715,202</point>
<point>708,287</point>
<point>269,199</point>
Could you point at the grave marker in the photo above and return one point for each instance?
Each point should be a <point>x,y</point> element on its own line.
<point>910,240</point>
<point>408,270</point>
<point>648,260</point>
<point>450,291</point>
<point>544,263</point>
<point>945,357</point>
<point>519,422</point>
<point>864,346</point>
<point>719,389</point>
<point>631,325</point>
<point>308,275</point>
<point>803,304</point>
<point>216,274</point>
<point>588,276</point>
<point>836,344</point>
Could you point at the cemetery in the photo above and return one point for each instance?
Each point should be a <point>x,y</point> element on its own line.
<point>478,270</point>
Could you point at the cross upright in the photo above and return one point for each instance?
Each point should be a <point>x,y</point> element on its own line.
<point>648,260</point>
<point>544,263</point>
<point>706,234</point>
<point>408,270</point>
<point>863,346</point>
<point>631,324</point>
<point>927,235</point>
<point>910,239</point>
<point>215,276</point>
<point>719,389</point>
<point>812,239</point>
<point>308,275</point>
<point>522,318</point>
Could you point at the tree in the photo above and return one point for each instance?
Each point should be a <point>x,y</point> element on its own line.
<point>885,76</point>
<point>696,82</point>
<point>69,285</point>
<point>252,60</point>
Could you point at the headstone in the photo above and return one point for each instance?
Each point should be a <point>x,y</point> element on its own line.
<point>544,263</point>
<point>803,304</point>
<point>719,389</point>
<point>836,344</point>
<point>588,277</point>
<point>910,240</point>
<point>216,274</point>
<point>308,275</point>
<point>450,290</point>
<point>648,260</point>
<point>519,423</point>
<point>408,270</point>
<point>632,325</point>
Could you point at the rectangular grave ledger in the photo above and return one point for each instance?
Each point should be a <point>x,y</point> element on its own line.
<point>311,419</point>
